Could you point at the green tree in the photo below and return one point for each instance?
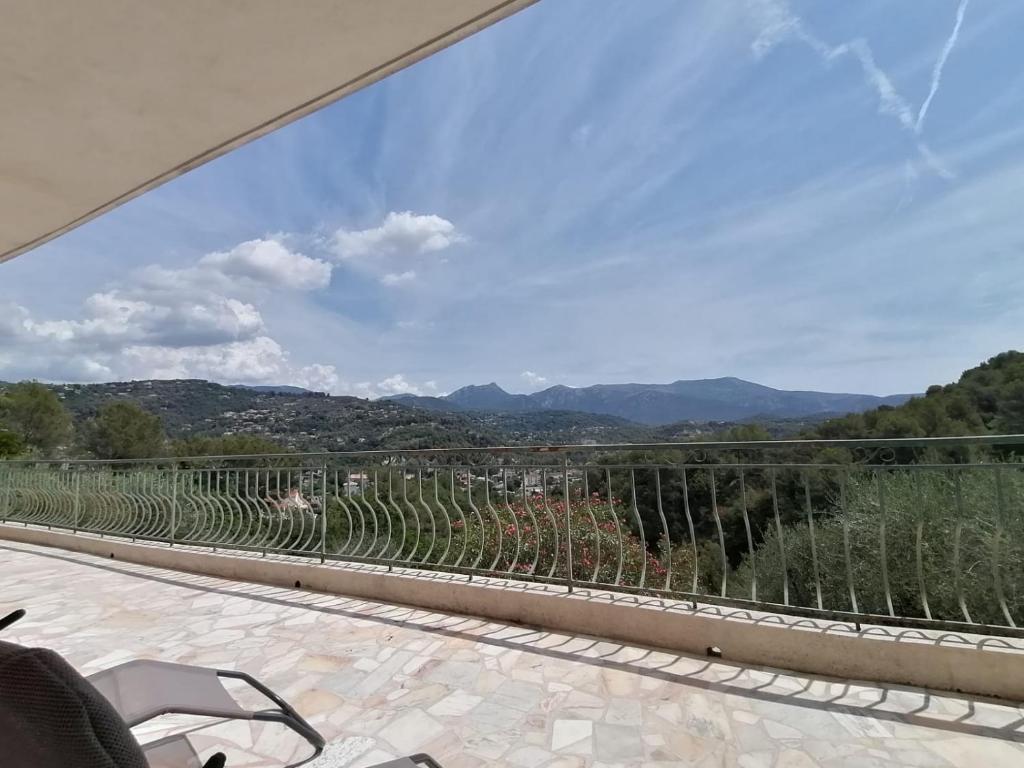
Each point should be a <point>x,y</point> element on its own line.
<point>36,416</point>
<point>124,431</point>
<point>10,444</point>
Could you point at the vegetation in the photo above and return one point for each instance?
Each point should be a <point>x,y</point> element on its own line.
<point>35,417</point>
<point>124,431</point>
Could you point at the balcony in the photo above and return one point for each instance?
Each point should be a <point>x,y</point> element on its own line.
<point>623,605</point>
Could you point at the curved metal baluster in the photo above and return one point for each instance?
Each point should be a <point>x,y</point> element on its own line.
<point>47,500</point>
<point>364,507</point>
<point>275,508</point>
<point>462,518</point>
<point>50,504</point>
<point>396,509</point>
<point>239,498</point>
<point>149,514</point>
<point>664,529</point>
<point>189,503</point>
<point>814,546</point>
<point>640,528</point>
<point>514,565</point>
<point>127,525</point>
<point>721,535</point>
<point>881,541</point>
<point>919,553</point>
<point>232,512</point>
<point>45,514</point>
<point>102,501</point>
<point>593,521</point>
<point>272,510</point>
<point>297,513</point>
<point>618,528</point>
<point>358,507</point>
<point>168,501</point>
<point>312,541</point>
<point>497,520</point>
<point>384,510</point>
<point>782,541</point>
<point>447,518</point>
<point>343,549</point>
<point>252,511</point>
<point>106,505</point>
<point>554,523</point>
<point>997,547</point>
<point>416,515</point>
<point>286,513</point>
<point>119,511</point>
<point>371,544</point>
<point>957,579</point>
<point>204,498</point>
<point>536,527</point>
<point>145,492</point>
<point>750,536</point>
<point>476,513</point>
<point>86,505</point>
<point>220,514</point>
<point>846,539</point>
<point>689,525</point>
<point>152,493</point>
<point>430,514</point>
<point>241,513</point>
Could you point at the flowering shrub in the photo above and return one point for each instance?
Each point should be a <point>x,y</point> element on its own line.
<point>531,538</point>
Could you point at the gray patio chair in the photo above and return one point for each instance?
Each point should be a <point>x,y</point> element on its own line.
<point>48,711</point>
<point>144,689</point>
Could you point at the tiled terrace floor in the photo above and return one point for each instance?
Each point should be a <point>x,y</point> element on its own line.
<point>381,680</point>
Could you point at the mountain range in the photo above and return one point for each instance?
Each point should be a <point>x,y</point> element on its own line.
<point>721,399</point>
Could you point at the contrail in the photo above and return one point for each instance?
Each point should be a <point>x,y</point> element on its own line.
<point>937,72</point>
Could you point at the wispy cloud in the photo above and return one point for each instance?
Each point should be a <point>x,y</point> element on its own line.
<point>940,64</point>
<point>780,23</point>
<point>397,278</point>
<point>400,233</point>
<point>533,380</point>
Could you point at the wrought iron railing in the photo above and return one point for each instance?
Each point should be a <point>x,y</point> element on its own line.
<point>923,532</point>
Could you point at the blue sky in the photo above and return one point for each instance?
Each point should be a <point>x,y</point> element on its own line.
<point>809,195</point>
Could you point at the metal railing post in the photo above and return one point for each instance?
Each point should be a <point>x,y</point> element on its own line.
<point>78,500</point>
<point>568,521</point>
<point>4,495</point>
<point>174,502</point>
<point>323,516</point>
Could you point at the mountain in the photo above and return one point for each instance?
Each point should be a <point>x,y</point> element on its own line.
<point>310,421</point>
<point>699,400</point>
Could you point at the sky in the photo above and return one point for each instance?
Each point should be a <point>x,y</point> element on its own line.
<point>808,195</point>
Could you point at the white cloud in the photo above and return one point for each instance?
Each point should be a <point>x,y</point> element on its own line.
<point>397,278</point>
<point>399,233</point>
<point>270,263</point>
<point>112,319</point>
<point>256,361</point>
<point>533,379</point>
<point>193,322</point>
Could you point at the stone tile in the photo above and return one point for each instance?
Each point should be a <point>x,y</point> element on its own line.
<point>573,735</point>
<point>411,731</point>
<point>455,704</point>
<point>617,744</point>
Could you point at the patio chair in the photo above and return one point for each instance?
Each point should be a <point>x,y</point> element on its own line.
<point>49,711</point>
<point>144,689</point>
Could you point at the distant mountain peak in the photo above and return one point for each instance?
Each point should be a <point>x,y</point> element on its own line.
<point>726,398</point>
